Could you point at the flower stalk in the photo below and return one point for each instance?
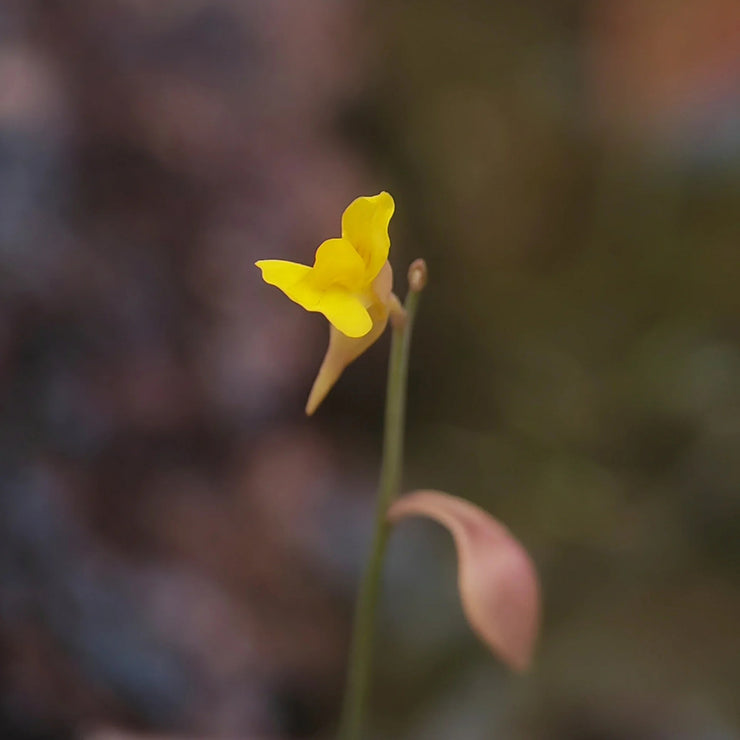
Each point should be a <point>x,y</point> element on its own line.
<point>351,284</point>
<point>360,662</point>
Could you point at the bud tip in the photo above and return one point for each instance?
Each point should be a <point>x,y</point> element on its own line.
<point>417,275</point>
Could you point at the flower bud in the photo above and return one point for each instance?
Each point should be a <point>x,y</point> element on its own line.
<point>417,275</point>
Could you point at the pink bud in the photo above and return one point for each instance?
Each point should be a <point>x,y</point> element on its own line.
<point>497,580</point>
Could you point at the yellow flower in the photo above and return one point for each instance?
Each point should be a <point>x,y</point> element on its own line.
<point>350,283</point>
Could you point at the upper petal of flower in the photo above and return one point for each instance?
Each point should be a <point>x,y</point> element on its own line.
<point>365,224</point>
<point>338,263</point>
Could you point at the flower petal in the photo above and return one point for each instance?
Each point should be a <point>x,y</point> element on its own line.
<point>293,279</point>
<point>345,311</point>
<point>497,580</point>
<point>365,224</point>
<point>341,352</point>
<point>338,263</point>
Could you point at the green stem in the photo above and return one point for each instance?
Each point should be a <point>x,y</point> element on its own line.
<point>358,676</point>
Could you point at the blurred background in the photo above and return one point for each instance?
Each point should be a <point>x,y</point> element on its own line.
<point>180,546</point>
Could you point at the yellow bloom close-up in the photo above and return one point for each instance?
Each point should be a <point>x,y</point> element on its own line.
<point>350,283</point>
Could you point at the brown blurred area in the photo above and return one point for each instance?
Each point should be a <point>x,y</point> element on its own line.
<point>179,547</point>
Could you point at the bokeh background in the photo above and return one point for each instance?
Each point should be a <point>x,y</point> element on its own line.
<point>179,546</point>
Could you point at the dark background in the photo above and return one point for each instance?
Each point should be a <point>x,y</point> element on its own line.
<point>179,546</point>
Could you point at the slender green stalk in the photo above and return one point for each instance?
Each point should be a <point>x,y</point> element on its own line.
<point>358,676</point>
